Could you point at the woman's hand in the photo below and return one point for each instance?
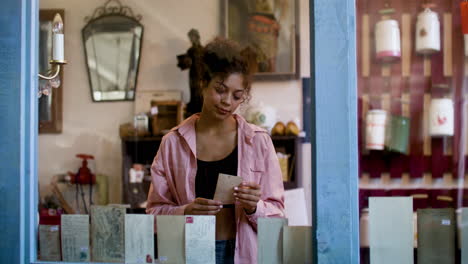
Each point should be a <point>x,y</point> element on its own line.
<point>248,194</point>
<point>202,206</point>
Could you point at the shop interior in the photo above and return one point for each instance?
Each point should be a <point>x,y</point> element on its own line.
<point>123,76</point>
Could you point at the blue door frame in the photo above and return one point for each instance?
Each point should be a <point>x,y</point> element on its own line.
<point>334,141</point>
<point>334,145</point>
<point>18,126</point>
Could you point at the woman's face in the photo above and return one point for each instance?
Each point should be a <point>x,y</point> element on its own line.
<point>221,98</point>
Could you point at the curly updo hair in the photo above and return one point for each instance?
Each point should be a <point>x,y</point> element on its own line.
<point>223,57</point>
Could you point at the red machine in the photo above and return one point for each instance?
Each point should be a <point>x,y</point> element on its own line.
<point>84,174</point>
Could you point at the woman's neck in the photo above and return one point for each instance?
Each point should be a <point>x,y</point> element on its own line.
<point>214,125</point>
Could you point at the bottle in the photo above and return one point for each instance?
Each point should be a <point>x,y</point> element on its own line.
<point>140,123</point>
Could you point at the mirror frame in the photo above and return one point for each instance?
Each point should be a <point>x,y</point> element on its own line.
<point>53,126</point>
<point>109,9</point>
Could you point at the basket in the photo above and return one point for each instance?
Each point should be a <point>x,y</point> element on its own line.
<point>283,161</point>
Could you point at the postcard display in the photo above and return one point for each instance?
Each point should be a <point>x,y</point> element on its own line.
<point>107,235</point>
<point>412,118</point>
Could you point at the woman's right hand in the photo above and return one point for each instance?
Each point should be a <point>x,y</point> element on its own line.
<point>202,206</point>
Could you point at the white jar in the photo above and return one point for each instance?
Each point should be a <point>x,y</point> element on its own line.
<point>427,32</point>
<point>441,117</point>
<point>375,129</point>
<point>387,40</point>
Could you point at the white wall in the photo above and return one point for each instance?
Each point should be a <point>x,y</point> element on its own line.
<point>93,127</point>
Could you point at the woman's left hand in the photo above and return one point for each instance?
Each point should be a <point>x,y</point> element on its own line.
<point>248,194</point>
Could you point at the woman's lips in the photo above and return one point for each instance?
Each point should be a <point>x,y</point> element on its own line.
<point>222,111</point>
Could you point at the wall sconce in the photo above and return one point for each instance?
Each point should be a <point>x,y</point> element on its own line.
<point>52,75</point>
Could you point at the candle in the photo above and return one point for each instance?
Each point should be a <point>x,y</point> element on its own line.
<point>375,129</point>
<point>58,39</point>
<point>58,53</point>
<point>441,115</point>
<point>387,40</point>
<point>427,32</point>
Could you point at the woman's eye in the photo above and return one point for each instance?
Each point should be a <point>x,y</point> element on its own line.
<point>219,89</point>
<point>238,95</point>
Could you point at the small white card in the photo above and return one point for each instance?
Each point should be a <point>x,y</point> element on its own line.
<point>200,232</point>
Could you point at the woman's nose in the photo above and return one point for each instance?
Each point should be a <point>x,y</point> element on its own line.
<point>226,99</point>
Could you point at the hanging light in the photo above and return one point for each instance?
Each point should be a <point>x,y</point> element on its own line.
<point>52,77</point>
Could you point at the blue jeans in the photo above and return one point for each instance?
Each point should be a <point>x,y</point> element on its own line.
<point>225,251</point>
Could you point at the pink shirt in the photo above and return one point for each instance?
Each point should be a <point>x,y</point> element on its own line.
<point>175,166</point>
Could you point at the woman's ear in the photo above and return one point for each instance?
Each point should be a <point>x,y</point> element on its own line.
<point>202,87</point>
<point>202,84</point>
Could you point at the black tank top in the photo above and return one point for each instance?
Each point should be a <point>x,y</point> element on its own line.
<point>208,171</point>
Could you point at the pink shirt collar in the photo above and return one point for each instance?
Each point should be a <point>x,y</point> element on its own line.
<point>187,130</point>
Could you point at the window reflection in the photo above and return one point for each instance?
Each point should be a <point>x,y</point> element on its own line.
<point>412,130</point>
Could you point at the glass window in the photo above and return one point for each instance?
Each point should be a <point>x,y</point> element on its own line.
<point>164,107</point>
<point>412,131</point>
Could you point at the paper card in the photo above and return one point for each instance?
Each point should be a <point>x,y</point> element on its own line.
<point>297,244</point>
<point>171,236</point>
<point>200,232</point>
<point>464,235</point>
<point>436,236</point>
<point>107,234</point>
<point>139,238</point>
<point>75,238</point>
<point>225,188</point>
<point>391,230</point>
<point>270,240</point>
<point>295,207</point>
<point>49,242</point>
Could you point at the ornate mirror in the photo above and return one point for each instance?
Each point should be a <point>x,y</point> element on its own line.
<point>112,40</point>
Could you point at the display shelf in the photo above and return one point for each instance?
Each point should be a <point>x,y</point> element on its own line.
<point>433,168</point>
<point>407,86</point>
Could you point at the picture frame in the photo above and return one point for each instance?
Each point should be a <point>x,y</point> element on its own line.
<point>50,106</point>
<point>268,31</point>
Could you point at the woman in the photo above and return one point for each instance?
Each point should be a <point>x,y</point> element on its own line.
<point>186,167</point>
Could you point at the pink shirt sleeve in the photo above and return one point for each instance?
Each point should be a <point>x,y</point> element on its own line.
<point>160,198</point>
<point>271,182</point>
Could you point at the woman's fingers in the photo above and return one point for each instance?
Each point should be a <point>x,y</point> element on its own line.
<point>247,197</point>
<point>248,205</point>
<point>203,212</point>
<point>207,201</point>
<point>202,207</point>
<point>250,185</point>
<point>206,206</point>
<point>255,192</point>
<point>248,194</point>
